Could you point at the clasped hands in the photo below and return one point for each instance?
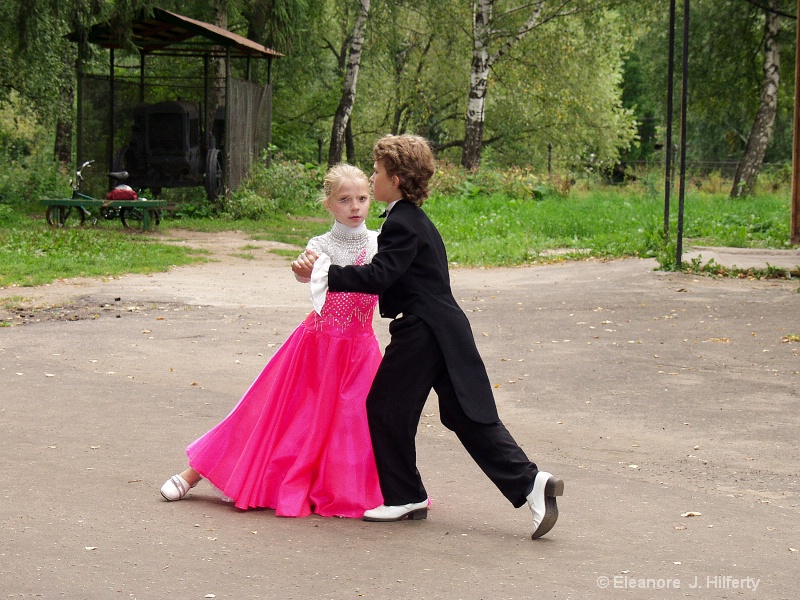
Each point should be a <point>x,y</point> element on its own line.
<point>304,265</point>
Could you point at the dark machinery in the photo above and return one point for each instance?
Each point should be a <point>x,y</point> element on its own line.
<point>168,148</point>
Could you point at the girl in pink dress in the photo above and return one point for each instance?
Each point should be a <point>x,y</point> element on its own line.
<point>298,440</point>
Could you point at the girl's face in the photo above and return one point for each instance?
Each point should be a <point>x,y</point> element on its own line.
<point>349,205</point>
<point>383,186</point>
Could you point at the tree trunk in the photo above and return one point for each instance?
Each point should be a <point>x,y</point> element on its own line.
<point>218,91</point>
<point>478,80</point>
<point>482,63</point>
<point>66,90</point>
<point>63,144</point>
<point>349,143</point>
<point>744,182</point>
<point>342,116</point>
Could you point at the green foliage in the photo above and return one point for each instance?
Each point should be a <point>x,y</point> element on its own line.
<point>30,180</point>
<point>453,180</point>
<point>28,173</point>
<point>562,85</point>
<point>713,268</point>
<point>285,186</point>
<point>591,83</point>
<point>725,75</point>
<point>487,218</point>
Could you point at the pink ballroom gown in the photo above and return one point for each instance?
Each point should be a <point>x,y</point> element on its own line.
<point>298,440</point>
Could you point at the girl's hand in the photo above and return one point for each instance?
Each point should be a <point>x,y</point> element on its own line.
<point>304,264</point>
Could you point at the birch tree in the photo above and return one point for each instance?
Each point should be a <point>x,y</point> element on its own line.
<point>342,117</point>
<point>744,181</point>
<point>484,34</point>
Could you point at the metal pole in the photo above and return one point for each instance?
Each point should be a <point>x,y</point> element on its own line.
<point>113,97</point>
<point>670,92</point>
<point>684,97</point>
<point>79,117</point>
<point>269,114</point>
<point>207,106</point>
<point>141,77</point>
<point>795,216</point>
<point>226,171</point>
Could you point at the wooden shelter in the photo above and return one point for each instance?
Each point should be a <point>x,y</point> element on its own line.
<point>243,107</point>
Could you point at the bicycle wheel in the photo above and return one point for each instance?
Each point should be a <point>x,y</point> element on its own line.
<point>109,213</point>
<point>133,217</point>
<point>65,216</point>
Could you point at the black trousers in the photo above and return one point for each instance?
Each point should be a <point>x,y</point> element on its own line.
<point>412,365</point>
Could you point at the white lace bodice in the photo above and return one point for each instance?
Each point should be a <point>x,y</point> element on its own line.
<point>345,312</point>
<point>344,244</point>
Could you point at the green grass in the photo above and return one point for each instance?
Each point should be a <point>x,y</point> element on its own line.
<point>500,230</point>
<point>479,229</point>
<point>32,253</point>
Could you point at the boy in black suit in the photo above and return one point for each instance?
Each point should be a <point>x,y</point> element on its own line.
<point>431,347</point>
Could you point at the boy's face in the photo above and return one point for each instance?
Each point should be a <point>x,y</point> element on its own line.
<point>349,205</point>
<point>384,186</point>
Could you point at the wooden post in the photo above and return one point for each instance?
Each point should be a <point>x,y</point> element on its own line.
<point>794,229</point>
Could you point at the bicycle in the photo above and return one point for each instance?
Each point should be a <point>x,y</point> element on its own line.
<point>125,205</point>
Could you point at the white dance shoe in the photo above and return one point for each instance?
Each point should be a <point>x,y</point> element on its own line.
<point>385,514</point>
<point>175,488</point>
<point>542,501</point>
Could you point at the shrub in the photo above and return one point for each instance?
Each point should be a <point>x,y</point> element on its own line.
<point>285,186</point>
<point>29,171</point>
<point>515,182</point>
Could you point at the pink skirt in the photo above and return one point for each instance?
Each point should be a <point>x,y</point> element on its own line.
<point>298,440</point>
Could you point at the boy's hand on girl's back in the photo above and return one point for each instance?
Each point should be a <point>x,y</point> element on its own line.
<point>304,264</point>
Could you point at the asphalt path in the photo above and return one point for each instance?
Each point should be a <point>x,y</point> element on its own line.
<point>667,402</point>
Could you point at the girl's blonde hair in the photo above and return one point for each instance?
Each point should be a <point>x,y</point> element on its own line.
<point>336,175</point>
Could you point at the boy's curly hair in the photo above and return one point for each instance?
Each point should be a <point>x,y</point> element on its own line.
<point>411,159</point>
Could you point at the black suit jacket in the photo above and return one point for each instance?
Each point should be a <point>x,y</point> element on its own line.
<point>410,275</point>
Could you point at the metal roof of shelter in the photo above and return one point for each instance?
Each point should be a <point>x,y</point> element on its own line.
<point>166,31</point>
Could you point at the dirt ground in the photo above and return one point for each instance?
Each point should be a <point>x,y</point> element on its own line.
<point>668,403</point>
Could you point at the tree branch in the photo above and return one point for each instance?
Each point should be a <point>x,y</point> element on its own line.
<point>770,9</point>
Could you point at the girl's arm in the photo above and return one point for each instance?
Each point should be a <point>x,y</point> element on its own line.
<point>304,264</point>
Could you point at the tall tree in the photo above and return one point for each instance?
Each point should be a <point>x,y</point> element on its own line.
<point>276,23</point>
<point>744,181</point>
<point>726,79</point>
<point>414,72</point>
<point>43,62</point>
<point>494,35</point>
<point>341,119</point>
